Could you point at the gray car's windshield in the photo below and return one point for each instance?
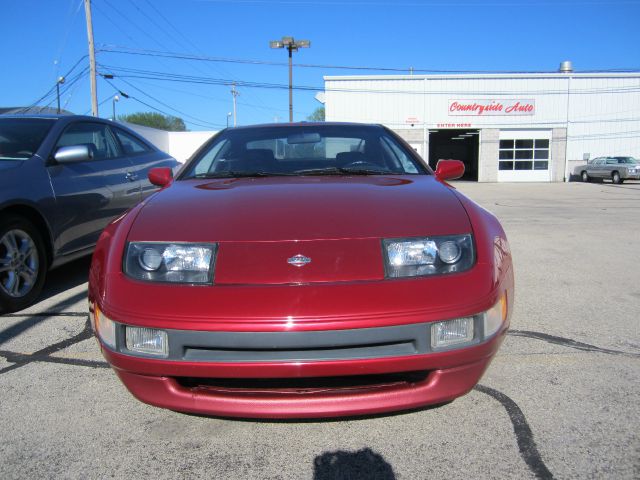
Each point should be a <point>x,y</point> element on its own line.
<point>303,151</point>
<point>20,138</point>
<point>629,160</point>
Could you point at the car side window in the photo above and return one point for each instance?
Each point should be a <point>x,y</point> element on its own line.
<point>130,144</point>
<point>205,165</point>
<point>612,161</point>
<point>397,156</point>
<point>95,136</point>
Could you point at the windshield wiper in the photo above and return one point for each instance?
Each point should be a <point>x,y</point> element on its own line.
<point>320,171</point>
<point>365,170</point>
<point>343,171</point>
<point>232,174</point>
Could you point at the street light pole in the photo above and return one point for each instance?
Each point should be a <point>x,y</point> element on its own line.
<point>115,99</point>
<point>290,83</point>
<point>228,115</point>
<point>234,93</point>
<point>292,46</point>
<point>58,83</point>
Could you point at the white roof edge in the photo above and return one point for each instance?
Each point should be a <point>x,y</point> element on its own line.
<point>443,76</point>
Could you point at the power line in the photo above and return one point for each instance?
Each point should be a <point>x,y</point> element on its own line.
<point>69,84</point>
<point>204,123</point>
<point>187,41</point>
<point>71,15</point>
<point>99,104</point>
<point>217,99</point>
<point>53,88</point>
<point>174,77</point>
<point>439,4</point>
<point>188,56</point>
<point>168,106</point>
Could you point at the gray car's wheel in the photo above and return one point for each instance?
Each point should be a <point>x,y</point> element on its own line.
<point>615,177</point>
<point>23,263</point>
<point>584,176</point>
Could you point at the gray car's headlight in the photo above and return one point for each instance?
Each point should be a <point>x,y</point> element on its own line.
<point>170,262</point>
<point>413,257</point>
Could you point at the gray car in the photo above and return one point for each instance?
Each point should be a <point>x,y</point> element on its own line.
<point>62,180</point>
<point>616,169</point>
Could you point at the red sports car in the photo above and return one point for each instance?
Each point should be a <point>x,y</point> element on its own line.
<point>302,270</point>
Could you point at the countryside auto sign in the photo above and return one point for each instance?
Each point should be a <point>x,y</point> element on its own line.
<point>492,107</point>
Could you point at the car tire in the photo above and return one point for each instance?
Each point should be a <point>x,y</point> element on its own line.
<point>615,178</point>
<point>23,263</point>
<point>584,176</point>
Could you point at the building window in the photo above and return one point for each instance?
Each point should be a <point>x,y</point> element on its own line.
<point>530,154</point>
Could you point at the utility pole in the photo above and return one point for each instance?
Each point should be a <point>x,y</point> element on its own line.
<point>292,46</point>
<point>234,93</point>
<point>58,83</point>
<point>92,59</point>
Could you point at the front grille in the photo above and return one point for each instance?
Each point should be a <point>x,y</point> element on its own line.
<point>360,349</point>
<point>303,386</point>
<point>362,343</point>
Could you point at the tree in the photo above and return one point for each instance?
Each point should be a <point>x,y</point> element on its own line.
<point>155,120</point>
<point>317,115</point>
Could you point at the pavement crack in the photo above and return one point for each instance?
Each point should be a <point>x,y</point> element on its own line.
<point>569,343</point>
<point>524,436</point>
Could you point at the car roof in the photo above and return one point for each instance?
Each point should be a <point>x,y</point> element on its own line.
<point>49,116</point>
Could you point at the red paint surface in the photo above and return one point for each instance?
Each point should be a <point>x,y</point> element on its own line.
<point>339,223</point>
<point>449,169</point>
<point>160,176</point>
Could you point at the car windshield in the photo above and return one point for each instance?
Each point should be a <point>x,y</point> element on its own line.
<point>301,150</point>
<point>20,138</point>
<point>629,160</point>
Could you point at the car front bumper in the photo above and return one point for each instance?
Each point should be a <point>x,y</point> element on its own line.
<point>438,386</point>
<point>304,374</point>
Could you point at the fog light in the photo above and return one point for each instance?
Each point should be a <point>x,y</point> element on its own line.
<point>147,340</point>
<point>105,327</point>
<point>451,332</point>
<point>495,316</point>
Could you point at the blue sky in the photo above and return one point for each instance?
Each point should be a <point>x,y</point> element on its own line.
<point>43,39</point>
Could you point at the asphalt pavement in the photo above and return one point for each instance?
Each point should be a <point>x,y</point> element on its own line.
<point>560,400</point>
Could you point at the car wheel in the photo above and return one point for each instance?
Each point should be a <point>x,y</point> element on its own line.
<point>585,177</point>
<point>23,263</point>
<point>615,177</point>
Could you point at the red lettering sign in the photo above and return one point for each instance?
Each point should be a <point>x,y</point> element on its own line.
<point>492,107</point>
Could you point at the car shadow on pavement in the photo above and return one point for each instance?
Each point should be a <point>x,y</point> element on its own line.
<point>363,464</point>
<point>65,278</point>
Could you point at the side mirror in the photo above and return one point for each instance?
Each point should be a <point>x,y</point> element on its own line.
<point>160,176</point>
<point>449,169</point>
<point>73,154</point>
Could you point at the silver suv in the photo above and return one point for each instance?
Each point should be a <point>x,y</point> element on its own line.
<point>616,169</point>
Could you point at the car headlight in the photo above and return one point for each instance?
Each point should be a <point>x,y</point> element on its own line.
<point>170,262</point>
<point>415,257</point>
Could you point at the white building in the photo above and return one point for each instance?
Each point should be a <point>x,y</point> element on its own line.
<point>505,127</point>
<point>180,145</point>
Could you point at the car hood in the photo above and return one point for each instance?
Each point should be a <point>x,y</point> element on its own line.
<point>337,222</point>
<point>301,208</point>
